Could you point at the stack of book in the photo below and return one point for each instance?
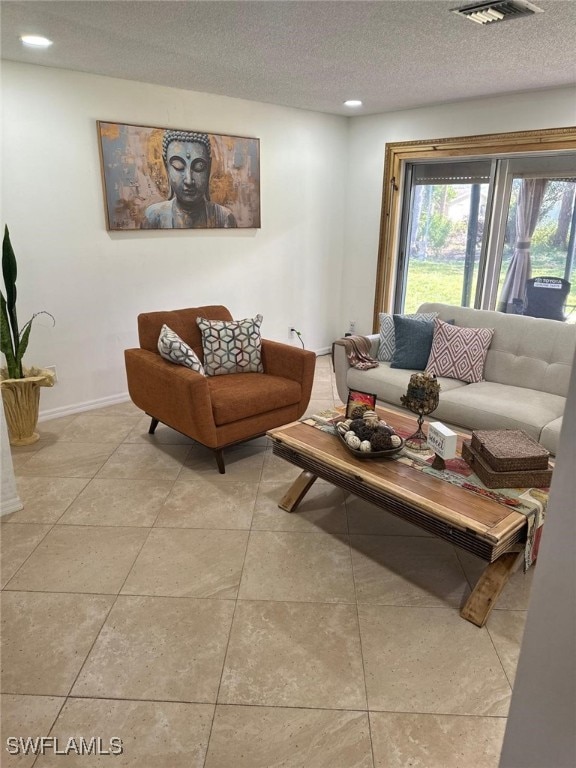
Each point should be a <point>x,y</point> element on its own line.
<point>507,458</point>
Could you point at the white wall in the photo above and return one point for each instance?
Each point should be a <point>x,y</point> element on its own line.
<point>368,137</point>
<point>9,499</point>
<point>541,727</point>
<point>96,282</point>
<point>312,265</point>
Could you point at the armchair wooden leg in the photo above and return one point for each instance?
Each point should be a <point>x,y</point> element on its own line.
<point>153,425</point>
<point>219,453</point>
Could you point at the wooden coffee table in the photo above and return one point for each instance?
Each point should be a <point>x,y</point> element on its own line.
<point>476,524</point>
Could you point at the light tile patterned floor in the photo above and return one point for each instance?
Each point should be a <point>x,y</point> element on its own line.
<point>147,597</point>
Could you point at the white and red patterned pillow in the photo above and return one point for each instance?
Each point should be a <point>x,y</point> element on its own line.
<point>459,353</point>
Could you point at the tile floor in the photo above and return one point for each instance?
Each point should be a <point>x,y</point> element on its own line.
<point>147,597</point>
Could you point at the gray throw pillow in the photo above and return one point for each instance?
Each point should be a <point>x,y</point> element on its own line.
<point>413,342</point>
<point>386,344</point>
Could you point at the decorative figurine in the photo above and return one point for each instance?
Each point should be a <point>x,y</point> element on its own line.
<point>421,398</point>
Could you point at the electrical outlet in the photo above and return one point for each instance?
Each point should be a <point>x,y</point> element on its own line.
<point>53,369</point>
<point>352,326</point>
<point>290,332</point>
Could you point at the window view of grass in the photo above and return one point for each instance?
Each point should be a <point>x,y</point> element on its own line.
<point>444,224</point>
<point>439,236</point>
<point>434,280</point>
<point>441,281</point>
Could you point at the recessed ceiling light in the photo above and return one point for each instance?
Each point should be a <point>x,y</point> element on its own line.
<point>36,41</point>
<point>353,103</point>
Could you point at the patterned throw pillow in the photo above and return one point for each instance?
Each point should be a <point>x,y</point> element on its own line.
<point>231,346</point>
<point>175,349</point>
<point>459,353</point>
<point>387,344</point>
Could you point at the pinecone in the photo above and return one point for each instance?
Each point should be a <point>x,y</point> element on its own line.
<point>358,411</point>
<point>380,441</point>
<point>365,432</point>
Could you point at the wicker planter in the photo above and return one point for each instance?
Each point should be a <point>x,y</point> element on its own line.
<point>21,398</point>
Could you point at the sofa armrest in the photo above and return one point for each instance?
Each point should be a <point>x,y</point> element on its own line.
<point>173,394</point>
<point>290,363</point>
<point>341,363</point>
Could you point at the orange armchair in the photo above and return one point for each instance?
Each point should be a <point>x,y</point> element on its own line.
<point>216,411</point>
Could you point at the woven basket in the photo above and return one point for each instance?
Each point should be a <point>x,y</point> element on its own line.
<point>531,478</point>
<point>508,450</point>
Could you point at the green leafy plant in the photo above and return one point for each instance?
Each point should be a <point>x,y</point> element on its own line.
<point>13,341</point>
<point>439,232</point>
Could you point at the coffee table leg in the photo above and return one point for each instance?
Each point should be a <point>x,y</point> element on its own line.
<point>484,595</point>
<point>298,490</point>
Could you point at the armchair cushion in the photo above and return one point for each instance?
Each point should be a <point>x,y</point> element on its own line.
<point>182,322</point>
<point>240,396</point>
<point>175,349</point>
<point>231,346</point>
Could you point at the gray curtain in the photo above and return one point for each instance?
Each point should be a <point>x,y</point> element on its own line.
<point>520,268</point>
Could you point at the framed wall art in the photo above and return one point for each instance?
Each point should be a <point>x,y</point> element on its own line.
<point>164,178</point>
<point>356,398</point>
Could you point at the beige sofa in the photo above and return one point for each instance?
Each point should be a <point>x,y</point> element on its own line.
<point>526,375</point>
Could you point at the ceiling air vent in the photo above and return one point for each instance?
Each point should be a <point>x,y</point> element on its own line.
<point>499,10</point>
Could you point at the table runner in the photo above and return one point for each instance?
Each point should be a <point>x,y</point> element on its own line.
<point>530,502</point>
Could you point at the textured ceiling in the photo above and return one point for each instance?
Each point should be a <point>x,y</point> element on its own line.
<point>394,54</point>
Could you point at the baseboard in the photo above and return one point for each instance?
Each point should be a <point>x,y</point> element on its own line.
<point>89,405</point>
<point>10,505</point>
<point>123,397</point>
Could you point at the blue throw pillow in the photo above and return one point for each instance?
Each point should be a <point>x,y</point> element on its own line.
<point>413,342</point>
<point>387,344</point>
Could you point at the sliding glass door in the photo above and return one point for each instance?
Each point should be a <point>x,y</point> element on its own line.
<point>538,239</point>
<point>474,232</point>
<point>443,231</point>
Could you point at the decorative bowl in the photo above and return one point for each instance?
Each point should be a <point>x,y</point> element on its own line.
<point>389,453</point>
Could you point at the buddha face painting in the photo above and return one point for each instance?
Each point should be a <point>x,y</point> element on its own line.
<point>175,178</point>
<point>188,168</point>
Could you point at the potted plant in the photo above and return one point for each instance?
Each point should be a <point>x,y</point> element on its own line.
<point>20,386</point>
